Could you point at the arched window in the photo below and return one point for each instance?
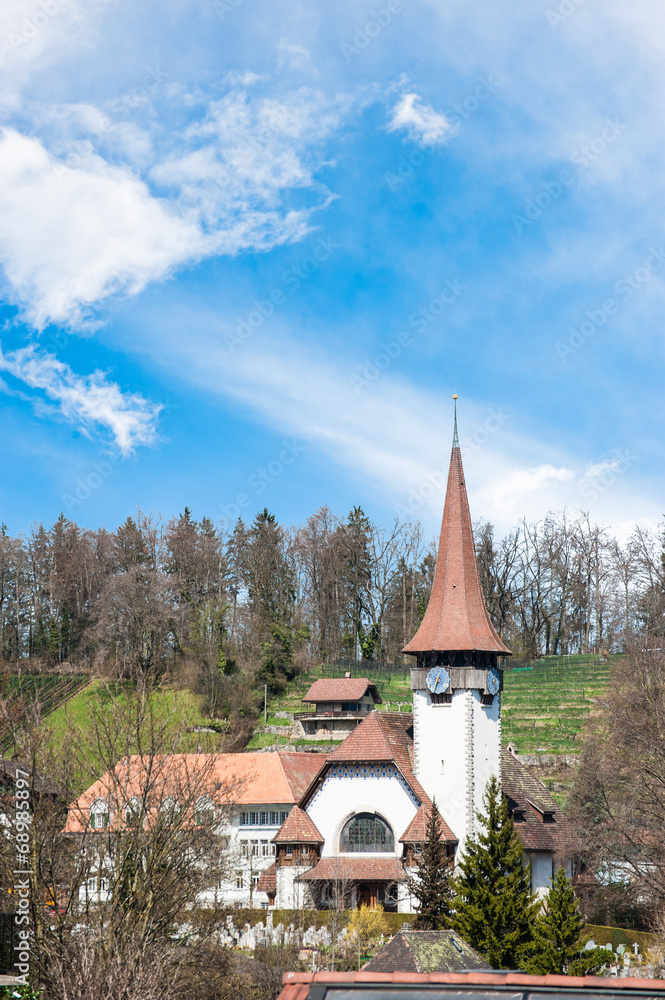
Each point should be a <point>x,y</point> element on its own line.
<point>99,814</point>
<point>368,834</point>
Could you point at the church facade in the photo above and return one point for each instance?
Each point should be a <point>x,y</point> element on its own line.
<point>363,819</point>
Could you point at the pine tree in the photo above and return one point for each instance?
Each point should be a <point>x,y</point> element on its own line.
<point>431,883</point>
<point>558,945</point>
<point>495,909</point>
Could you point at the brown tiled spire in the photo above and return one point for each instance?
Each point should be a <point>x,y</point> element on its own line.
<point>456,617</point>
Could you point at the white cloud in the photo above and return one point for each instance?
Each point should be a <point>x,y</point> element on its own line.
<point>422,123</point>
<point>78,229</point>
<point>72,237</point>
<point>89,402</point>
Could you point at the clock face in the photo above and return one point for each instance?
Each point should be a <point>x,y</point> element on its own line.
<point>437,680</point>
<point>493,681</point>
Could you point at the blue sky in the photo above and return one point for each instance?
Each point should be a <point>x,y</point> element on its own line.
<point>249,249</point>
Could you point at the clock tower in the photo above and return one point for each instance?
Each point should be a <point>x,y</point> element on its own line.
<point>457,678</point>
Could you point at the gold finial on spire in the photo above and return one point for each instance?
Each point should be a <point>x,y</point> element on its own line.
<point>455,438</point>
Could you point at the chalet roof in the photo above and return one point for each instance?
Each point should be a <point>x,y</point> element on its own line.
<point>527,794</point>
<point>456,616</point>
<point>381,736</point>
<point>440,985</point>
<point>238,779</point>
<point>342,689</point>
<point>268,880</point>
<point>298,828</point>
<point>426,951</point>
<point>355,869</point>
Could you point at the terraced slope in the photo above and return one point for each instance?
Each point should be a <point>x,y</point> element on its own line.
<point>545,703</point>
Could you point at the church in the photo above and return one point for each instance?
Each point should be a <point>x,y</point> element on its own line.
<point>307,829</point>
<point>362,821</point>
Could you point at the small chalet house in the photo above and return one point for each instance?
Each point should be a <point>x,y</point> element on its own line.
<point>309,830</point>
<point>339,705</point>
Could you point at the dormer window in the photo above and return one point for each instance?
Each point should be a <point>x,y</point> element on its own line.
<point>99,814</point>
<point>205,811</point>
<point>518,816</point>
<point>548,817</point>
<point>132,812</point>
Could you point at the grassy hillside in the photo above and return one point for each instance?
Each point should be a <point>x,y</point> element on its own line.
<point>545,704</point>
<point>178,710</point>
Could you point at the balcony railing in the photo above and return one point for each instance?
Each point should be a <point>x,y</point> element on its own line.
<point>335,714</point>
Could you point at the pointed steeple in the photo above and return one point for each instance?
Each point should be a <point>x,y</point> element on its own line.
<point>456,616</point>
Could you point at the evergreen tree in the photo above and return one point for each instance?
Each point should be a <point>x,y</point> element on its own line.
<point>558,945</point>
<point>431,883</point>
<point>495,909</point>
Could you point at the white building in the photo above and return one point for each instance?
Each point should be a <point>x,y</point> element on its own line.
<point>307,828</point>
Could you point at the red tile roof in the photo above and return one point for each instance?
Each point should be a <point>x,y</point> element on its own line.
<point>524,792</point>
<point>296,985</point>
<point>416,831</point>
<point>341,867</point>
<point>268,881</point>
<point>382,736</point>
<point>456,617</point>
<point>298,828</point>
<point>239,778</point>
<point>342,689</point>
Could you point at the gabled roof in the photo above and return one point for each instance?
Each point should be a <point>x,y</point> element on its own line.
<point>426,951</point>
<point>342,689</point>
<point>298,828</point>
<point>456,616</point>
<point>381,736</point>
<point>416,831</point>
<point>528,795</point>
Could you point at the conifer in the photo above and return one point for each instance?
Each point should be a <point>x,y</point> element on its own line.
<point>431,882</point>
<point>558,945</point>
<point>495,908</point>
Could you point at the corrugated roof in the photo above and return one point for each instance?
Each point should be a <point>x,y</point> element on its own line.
<point>298,828</point>
<point>296,985</point>
<point>456,616</point>
<point>341,689</point>
<point>426,951</point>
<point>354,869</point>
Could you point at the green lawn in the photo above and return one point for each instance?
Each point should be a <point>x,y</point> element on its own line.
<point>175,710</point>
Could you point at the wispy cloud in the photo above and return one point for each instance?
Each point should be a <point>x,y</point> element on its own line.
<point>420,121</point>
<point>79,228</point>
<point>89,402</point>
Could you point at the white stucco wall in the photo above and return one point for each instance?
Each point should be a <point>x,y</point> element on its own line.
<point>439,755</point>
<point>354,788</point>
<point>541,871</point>
<point>457,748</point>
<point>486,745</point>
<point>292,895</point>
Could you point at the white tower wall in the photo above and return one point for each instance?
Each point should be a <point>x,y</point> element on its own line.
<point>457,748</point>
